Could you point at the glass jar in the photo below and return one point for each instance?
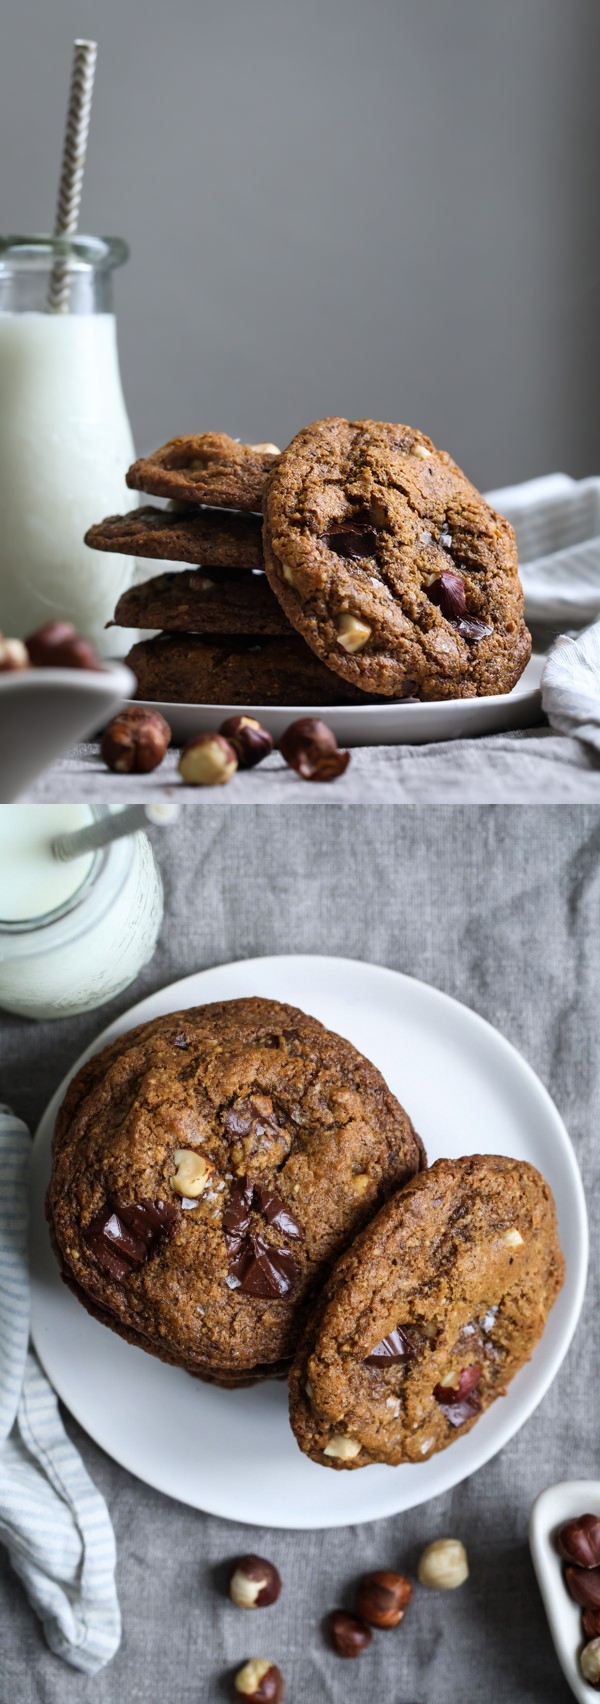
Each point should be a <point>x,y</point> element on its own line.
<point>85,950</point>
<point>65,438</point>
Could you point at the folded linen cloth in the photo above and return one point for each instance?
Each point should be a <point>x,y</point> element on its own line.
<point>557,523</point>
<point>53,1522</point>
<point>571,686</point>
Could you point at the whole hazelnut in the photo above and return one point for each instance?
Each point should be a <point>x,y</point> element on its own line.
<point>13,655</point>
<point>579,1541</point>
<point>260,1682</point>
<point>58,645</point>
<point>251,742</point>
<point>583,1585</point>
<point>311,748</point>
<point>348,1635</point>
<point>352,633</point>
<point>253,1583</point>
<point>135,741</point>
<point>193,1174</point>
<point>207,761</point>
<point>383,1597</point>
<point>590,1622</point>
<point>443,1565</point>
<point>589,1663</point>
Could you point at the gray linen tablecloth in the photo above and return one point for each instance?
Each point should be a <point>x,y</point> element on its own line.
<point>500,909</point>
<point>535,766</point>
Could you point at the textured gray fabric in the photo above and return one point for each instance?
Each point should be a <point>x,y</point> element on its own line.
<point>531,767</point>
<point>499,908</point>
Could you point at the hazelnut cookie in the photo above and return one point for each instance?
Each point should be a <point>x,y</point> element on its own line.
<point>391,564</point>
<point>190,601</point>
<point>206,467</point>
<point>428,1315</point>
<point>205,538</point>
<point>189,669</point>
<point>207,1169</point>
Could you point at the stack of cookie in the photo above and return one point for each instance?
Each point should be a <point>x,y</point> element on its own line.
<point>358,561</point>
<point>224,637</point>
<point>234,1186</point>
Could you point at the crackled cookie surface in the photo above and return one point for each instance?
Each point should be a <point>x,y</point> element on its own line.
<point>428,1316</point>
<point>187,669</point>
<point>206,467</point>
<point>202,537</point>
<point>208,1167</point>
<point>190,601</point>
<point>391,564</point>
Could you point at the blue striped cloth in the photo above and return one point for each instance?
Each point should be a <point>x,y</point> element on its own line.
<point>53,1521</point>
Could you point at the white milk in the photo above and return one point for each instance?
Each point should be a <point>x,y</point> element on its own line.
<point>65,445</point>
<point>32,881</point>
<point>104,914</point>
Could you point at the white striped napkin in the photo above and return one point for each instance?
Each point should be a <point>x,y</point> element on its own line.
<point>53,1521</point>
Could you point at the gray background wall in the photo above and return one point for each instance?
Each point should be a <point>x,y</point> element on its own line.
<point>384,207</point>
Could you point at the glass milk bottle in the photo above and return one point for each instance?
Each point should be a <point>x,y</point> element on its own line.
<point>65,439</point>
<point>71,934</point>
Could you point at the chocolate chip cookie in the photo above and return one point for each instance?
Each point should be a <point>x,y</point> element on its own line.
<point>232,601</point>
<point>428,1316</point>
<point>207,1169</point>
<point>207,467</point>
<point>175,669</point>
<point>204,537</point>
<point>391,565</point>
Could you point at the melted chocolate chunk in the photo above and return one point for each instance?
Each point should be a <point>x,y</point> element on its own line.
<point>397,1346</point>
<point>470,628</point>
<point>460,1402</point>
<point>448,594</point>
<point>458,1412</point>
<point>123,1235</point>
<point>352,539</point>
<point>249,1115</point>
<point>263,1270</point>
<point>276,1213</point>
<point>254,1265</point>
<point>238,1122</point>
<point>153,1221</point>
<point>236,1217</point>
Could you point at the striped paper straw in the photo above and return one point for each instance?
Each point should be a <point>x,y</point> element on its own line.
<point>73,165</point>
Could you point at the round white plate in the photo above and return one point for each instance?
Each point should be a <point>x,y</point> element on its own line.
<point>232,1452</point>
<point>554,1506</point>
<point>393,723</point>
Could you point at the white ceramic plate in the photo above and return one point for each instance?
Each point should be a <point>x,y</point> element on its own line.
<point>557,1504</point>
<point>232,1453</point>
<point>42,711</point>
<point>381,724</point>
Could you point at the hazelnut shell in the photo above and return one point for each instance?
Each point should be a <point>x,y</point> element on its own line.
<point>579,1541</point>
<point>348,1635</point>
<point>135,741</point>
<point>251,742</point>
<point>247,1572</point>
<point>310,747</point>
<point>383,1598</point>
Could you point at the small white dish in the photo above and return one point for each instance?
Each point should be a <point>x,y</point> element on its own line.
<point>393,723</point>
<point>232,1453</point>
<point>554,1506</point>
<point>44,711</point>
